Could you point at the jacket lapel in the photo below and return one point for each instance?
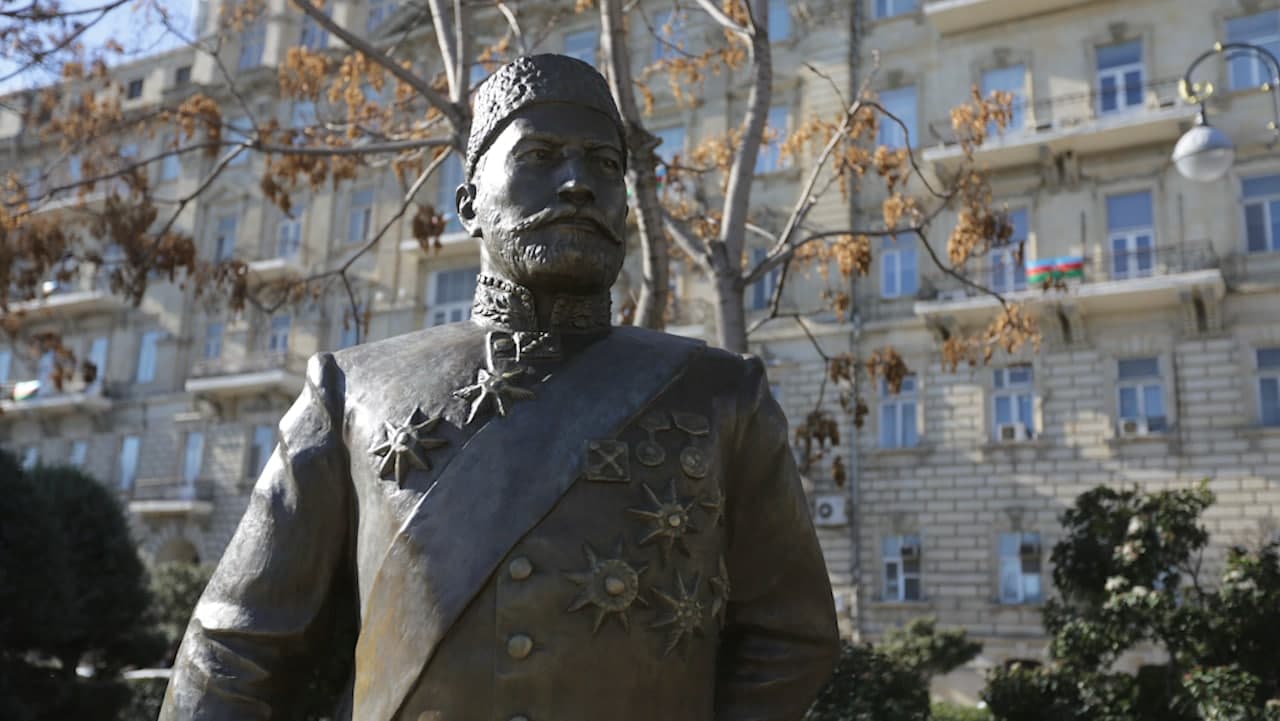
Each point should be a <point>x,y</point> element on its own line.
<point>509,475</point>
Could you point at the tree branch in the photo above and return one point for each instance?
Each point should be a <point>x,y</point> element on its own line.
<point>726,22</point>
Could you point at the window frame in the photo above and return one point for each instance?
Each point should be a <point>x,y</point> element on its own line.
<point>1004,272</point>
<point>1264,373</point>
<point>311,35</point>
<point>1271,239</point>
<point>134,88</point>
<point>1118,74</point>
<point>668,45</point>
<point>1021,558</point>
<point>259,454</point>
<point>1128,236</point>
<point>897,251</point>
<point>908,395</point>
<point>253,42</point>
<point>885,9</point>
<point>211,349</point>
<point>225,226</point>
<point>356,205</point>
<point>779,10</point>
<point>192,458</point>
<point>769,156</point>
<point>1259,70</point>
<point>78,452</point>
<point>889,134</point>
<point>762,290</point>
<point>1017,116</point>
<point>289,231</point>
<point>1004,387</point>
<point>148,356</point>
<point>279,327</point>
<point>130,450</point>
<point>442,312</point>
<point>891,556</point>
<point>1140,384</point>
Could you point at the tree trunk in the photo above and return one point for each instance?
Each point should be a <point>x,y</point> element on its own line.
<point>641,176</point>
<point>731,317</point>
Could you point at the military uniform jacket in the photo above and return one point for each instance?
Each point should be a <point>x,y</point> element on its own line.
<point>614,530</point>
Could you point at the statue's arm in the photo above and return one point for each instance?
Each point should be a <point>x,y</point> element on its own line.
<point>780,642</point>
<point>249,636</point>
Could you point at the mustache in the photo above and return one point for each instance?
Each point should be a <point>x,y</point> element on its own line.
<point>559,213</point>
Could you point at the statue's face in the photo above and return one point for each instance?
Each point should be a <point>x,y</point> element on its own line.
<point>549,201</point>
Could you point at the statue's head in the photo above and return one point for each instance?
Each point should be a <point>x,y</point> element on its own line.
<point>545,188</point>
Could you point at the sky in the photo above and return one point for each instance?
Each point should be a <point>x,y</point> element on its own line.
<point>137,30</point>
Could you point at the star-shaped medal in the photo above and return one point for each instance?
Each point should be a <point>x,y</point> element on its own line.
<point>609,585</point>
<point>499,386</point>
<point>684,617</point>
<point>404,447</point>
<point>669,520</point>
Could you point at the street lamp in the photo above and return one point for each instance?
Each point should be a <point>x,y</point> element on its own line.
<point>1205,153</point>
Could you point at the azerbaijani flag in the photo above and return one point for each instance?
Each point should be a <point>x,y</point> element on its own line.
<point>22,390</point>
<point>1040,271</point>
<point>1047,270</point>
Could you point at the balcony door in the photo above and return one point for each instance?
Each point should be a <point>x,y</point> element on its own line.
<point>1130,235</point>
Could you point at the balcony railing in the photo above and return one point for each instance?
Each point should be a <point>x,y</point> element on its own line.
<point>50,401</point>
<point>1085,123</point>
<point>277,371</point>
<point>170,496</point>
<point>952,16</point>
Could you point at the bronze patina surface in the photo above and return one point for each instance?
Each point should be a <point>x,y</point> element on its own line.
<point>544,518</point>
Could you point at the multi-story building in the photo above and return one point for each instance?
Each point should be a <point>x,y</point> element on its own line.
<point>1158,366</point>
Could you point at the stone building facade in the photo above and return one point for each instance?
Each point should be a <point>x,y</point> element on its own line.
<point>1160,365</point>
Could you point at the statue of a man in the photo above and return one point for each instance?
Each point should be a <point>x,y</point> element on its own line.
<point>544,518</point>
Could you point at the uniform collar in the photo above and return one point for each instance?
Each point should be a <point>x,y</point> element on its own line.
<point>504,305</point>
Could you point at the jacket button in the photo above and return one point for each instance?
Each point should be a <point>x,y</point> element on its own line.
<point>520,568</point>
<point>519,646</point>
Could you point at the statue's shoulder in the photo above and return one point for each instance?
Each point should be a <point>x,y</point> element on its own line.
<point>730,369</point>
<point>410,352</point>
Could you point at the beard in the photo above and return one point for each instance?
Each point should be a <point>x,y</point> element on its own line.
<point>562,259</point>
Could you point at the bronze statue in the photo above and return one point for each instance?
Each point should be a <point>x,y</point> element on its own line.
<point>545,518</point>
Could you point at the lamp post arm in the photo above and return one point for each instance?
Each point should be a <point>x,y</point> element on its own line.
<point>1193,92</point>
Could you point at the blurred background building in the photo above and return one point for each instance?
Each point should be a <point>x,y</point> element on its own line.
<point>1161,357</point>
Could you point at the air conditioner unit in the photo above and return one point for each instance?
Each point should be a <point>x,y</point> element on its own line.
<point>1013,432</point>
<point>830,509</point>
<point>952,295</point>
<point>1134,427</point>
<point>911,551</point>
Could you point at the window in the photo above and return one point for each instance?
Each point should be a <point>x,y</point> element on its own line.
<point>213,340</point>
<point>1246,71</point>
<point>225,238</point>
<point>671,145</point>
<point>360,217</point>
<point>769,159</point>
<point>898,415</point>
<point>278,335</point>
<point>1269,386</point>
<point>97,357</point>
<point>79,451</point>
<point>901,102</point>
<point>349,332</point>
<point>313,36</point>
<point>1130,235</point>
<point>32,180</point>
<point>890,8</point>
<point>379,11</point>
<point>582,45</point>
<point>6,361</point>
<point>73,169</point>
<point>1140,395</point>
<point>1012,80</point>
<point>1019,567</point>
<point>133,90</point>
<point>128,462</point>
<point>238,131</point>
<point>1262,213</point>
<point>182,75</point>
<point>260,447</point>
<point>289,231</point>
<point>1119,76</point>
<point>668,30</point>
<point>44,372</point>
<point>447,193</point>
<point>1011,402</point>
<point>147,356</point>
<point>1008,271</point>
<point>762,290</point>
<point>192,457</point>
<point>901,557</point>
<point>451,294</point>
<point>779,20</point>
<point>252,42</point>
<point>897,269</point>
<point>170,164</point>
<point>30,457</point>
<point>302,114</point>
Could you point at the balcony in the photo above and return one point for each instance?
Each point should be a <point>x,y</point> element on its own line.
<point>156,497</point>
<point>1112,282</point>
<point>232,375</point>
<point>1071,124</point>
<point>69,299</point>
<point>52,402</point>
<point>281,260</point>
<point>955,16</point>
